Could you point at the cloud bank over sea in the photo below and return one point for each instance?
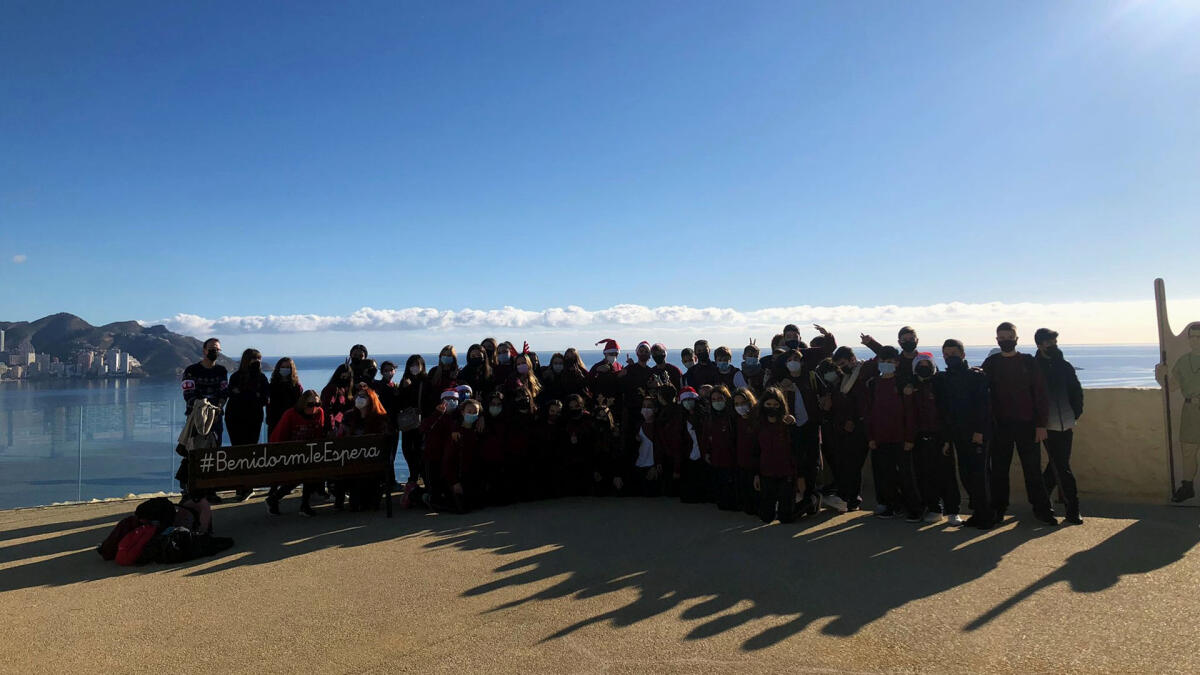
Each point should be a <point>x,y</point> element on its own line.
<point>427,327</point>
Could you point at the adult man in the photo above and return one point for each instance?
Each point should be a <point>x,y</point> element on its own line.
<point>962,398</point>
<point>1020,409</point>
<point>1065,407</point>
<point>209,381</point>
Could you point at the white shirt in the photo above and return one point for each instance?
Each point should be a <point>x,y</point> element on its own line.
<point>695,444</point>
<point>645,458</point>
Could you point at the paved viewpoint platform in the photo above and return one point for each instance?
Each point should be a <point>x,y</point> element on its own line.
<point>586,585</point>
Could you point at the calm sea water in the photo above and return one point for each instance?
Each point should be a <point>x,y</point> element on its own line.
<point>77,440</point>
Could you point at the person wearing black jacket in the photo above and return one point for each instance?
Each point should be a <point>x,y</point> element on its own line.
<point>705,371</point>
<point>410,394</point>
<point>206,380</point>
<point>249,394</point>
<point>284,391</point>
<point>964,405</point>
<point>1066,407</point>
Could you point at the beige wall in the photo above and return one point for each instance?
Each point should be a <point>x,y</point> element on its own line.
<point>1120,448</point>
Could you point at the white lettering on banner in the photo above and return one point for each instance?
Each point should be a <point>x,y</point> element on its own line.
<point>262,458</point>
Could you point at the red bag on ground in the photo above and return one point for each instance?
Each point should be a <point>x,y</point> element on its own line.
<point>108,549</point>
<point>132,544</point>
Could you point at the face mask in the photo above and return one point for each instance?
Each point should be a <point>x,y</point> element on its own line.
<point>771,414</point>
<point>285,372</point>
<point>556,367</point>
<point>609,358</point>
<point>1054,352</point>
<point>750,361</point>
<point>523,405</point>
<point>794,367</point>
<point>792,344</point>
<point>643,357</point>
<point>924,372</point>
<point>360,402</point>
<point>831,376</point>
<point>415,370</point>
<point>887,368</point>
<point>659,359</point>
<point>723,366</point>
<point>505,357</point>
<point>451,403</point>
<point>742,410</point>
<point>647,413</point>
<point>523,368</point>
<point>388,375</point>
<point>495,410</point>
<point>357,359</point>
<point>687,365</point>
<point>701,355</point>
<point>953,361</point>
<point>446,360</point>
<point>718,405</point>
<point>212,354</point>
<point>475,360</point>
<point>256,366</point>
<point>908,345</point>
<point>689,405</point>
<point>469,418</point>
<point>1007,345</point>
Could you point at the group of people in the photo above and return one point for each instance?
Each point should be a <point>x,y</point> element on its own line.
<point>778,435</point>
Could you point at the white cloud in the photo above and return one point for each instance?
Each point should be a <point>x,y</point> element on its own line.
<point>20,258</point>
<point>1080,322</point>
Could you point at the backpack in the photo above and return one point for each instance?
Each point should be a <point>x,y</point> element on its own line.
<point>108,548</point>
<point>158,509</point>
<point>131,550</point>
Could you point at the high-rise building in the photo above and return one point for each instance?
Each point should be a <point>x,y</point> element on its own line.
<point>2,347</point>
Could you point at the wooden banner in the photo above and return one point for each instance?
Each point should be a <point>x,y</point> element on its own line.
<point>294,462</point>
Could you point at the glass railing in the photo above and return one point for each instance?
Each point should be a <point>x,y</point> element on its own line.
<point>78,453</point>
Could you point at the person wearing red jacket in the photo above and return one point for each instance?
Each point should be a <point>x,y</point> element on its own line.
<point>602,378</point>
<point>746,452</point>
<point>850,399</point>
<point>936,468</point>
<point>368,418</point>
<point>304,422</point>
<point>778,479</point>
<point>889,418</point>
<point>720,443</point>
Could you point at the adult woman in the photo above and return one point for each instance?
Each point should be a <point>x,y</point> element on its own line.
<point>284,391</point>
<point>304,422</point>
<point>249,394</point>
<point>478,372</point>
<point>337,398</point>
<point>411,392</point>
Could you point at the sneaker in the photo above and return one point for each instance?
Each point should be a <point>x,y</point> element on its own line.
<point>1073,518</point>
<point>272,507</point>
<point>881,509</point>
<point>1047,518</point>
<point>913,517</point>
<point>835,502</point>
<point>955,520</point>
<point>979,523</point>
<point>886,513</point>
<point>306,510</point>
<point>932,517</point>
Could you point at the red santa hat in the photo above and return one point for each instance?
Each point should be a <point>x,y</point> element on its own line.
<point>464,391</point>
<point>450,393</point>
<point>688,392</point>
<point>610,346</point>
<point>644,343</point>
<point>923,356</point>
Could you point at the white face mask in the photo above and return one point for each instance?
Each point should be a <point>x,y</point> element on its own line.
<point>794,367</point>
<point>742,410</point>
<point>415,370</point>
<point>689,404</point>
<point>285,372</point>
<point>495,410</point>
<point>718,405</point>
<point>831,377</point>
<point>647,413</point>
<point>610,358</point>
<point>360,402</point>
<point>451,403</point>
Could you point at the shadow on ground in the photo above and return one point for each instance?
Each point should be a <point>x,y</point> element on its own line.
<point>720,569</point>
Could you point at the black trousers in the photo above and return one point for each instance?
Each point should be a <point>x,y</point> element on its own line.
<point>642,486</point>
<point>746,494</point>
<point>939,479</point>
<point>1058,469</point>
<point>411,443</point>
<point>278,492</point>
<point>973,471</point>
<point>806,443</point>
<point>1019,434</point>
<point>724,487</point>
<point>896,477</point>
<point>693,481</point>
<point>494,484</point>
<point>777,499</point>
<point>851,455</point>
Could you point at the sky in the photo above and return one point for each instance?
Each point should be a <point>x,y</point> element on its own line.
<point>299,175</point>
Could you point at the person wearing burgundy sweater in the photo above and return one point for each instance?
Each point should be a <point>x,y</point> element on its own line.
<point>664,371</point>
<point>746,450</point>
<point>549,451</point>
<point>436,428</point>
<point>1020,407</point>
<point>804,391</point>
<point>672,443</point>
<point>304,422</point>
<point>889,419</point>
<point>610,459</point>
<point>458,491</point>
<point>778,478</point>
<point>575,471</point>
<point>720,445</point>
<point>602,378</point>
<point>494,482</point>
<point>646,474</point>
<point>848,428</point>
<point>932,452</point>
<point>518,445</point>
<point>907,338</point>
<point>634,379</point>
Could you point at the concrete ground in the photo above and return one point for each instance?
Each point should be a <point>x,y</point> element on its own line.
<point>625,586</point>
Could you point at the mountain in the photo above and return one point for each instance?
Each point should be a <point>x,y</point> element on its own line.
<point>161,352</point>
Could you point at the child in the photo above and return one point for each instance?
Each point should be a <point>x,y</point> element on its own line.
<point>888,422</point>
<point>777,480</point>
<point>931,450</point>
<point>720,434</point>
<point>744,403</point>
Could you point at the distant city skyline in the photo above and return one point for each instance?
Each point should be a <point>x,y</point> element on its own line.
<point>168,162</point>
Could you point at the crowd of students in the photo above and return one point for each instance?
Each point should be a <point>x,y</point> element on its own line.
<point>778,435</point>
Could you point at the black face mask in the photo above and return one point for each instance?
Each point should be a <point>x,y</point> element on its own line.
<point>1054,352</point>
<point>924,372</point>
<point>1007,345</point>
<point>771,414</point>
<point>212,354</point>
<point>357,359</point>
<point>659,359</point>
<point>954,362</point>
<point>908,345</point>
<point>475,360</point>
<point>702,355</point>
<point>256,367</point>
<point>792,344</point>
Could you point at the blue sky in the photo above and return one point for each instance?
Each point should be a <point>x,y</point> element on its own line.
<point>219,159</point>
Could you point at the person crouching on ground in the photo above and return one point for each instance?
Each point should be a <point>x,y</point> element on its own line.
<point>778,480</point>
<point>304,422</point>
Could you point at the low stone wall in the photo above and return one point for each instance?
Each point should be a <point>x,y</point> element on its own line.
<point>1120,448</point>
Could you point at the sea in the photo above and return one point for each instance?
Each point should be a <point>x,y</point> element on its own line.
<point>83,440</point>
